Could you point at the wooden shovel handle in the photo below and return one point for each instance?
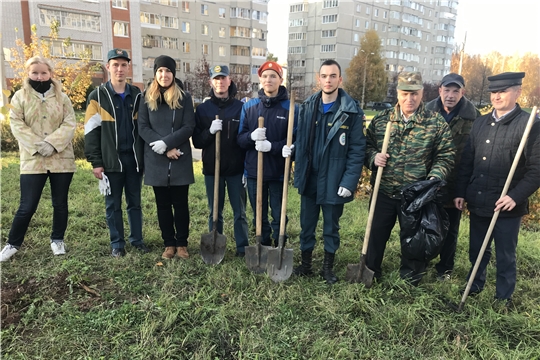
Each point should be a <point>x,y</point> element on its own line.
<point>258,218</point>
<point>283,219</point>
<point>216,177</point>
<point>376,189</point>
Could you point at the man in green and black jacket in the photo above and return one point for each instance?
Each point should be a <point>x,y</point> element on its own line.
<point>114,148</point>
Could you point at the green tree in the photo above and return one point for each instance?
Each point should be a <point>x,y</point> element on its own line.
<point>270,57</point>
<point>368,64</point>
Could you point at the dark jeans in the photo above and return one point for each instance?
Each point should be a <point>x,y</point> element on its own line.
<point>174,226</point>
<point>31,188</point>
<point>448,250</point>
<point>129,181</point>
<point>237,198</point>
<point>505,233</point>
<point>384,219</point>
<point>309,216</point>
<point>272,190</point>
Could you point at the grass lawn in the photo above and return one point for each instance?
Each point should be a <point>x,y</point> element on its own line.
<point>87,305</point>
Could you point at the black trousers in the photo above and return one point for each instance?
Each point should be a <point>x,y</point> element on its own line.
<point>174,225</point>
<point>448,250</point>
<point>384,219</point>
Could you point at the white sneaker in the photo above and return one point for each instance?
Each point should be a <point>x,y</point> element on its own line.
<point>7,252</point>
<point>58,247</point>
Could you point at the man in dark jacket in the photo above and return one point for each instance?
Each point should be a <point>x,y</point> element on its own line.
<point>329,153</point>
<point>273,105</point>
<point>459,113</point>
<point>222,103</point>
<point>485,165</point>
<point>114,148</point>
<point>420,148</point>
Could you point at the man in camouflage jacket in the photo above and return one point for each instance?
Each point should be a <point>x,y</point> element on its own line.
<point>420,148</point>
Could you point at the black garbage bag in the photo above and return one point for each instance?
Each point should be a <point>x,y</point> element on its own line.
<point>424,222</point>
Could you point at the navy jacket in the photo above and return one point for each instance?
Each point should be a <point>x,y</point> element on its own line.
<point>232,155</point>
<point>342,155</point>
<point>276,114</point>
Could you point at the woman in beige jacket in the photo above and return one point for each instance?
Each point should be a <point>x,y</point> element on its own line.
<point>43,121</point>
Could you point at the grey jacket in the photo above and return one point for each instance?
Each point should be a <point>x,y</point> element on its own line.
<point>174,127</point>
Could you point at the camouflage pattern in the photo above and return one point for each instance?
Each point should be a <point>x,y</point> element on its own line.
<point>410,81</point>
<point>34,118</point>
<point>419,149</point>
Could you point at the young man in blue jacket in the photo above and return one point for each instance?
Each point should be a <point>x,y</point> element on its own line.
<point>329,152</point>
<point>272,104</point>
<point>222,103</point>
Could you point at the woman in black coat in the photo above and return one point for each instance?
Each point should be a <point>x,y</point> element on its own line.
<point>166,122</point>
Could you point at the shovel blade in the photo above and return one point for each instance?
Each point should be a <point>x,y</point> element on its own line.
<point>256,258</point>
<point>213,246</point>
<point>277,257</point>
<point>360,273</point>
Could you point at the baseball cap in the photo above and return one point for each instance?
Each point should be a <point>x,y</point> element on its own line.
<point>117,53</point>
<point>453,78</point>
<point>219,70</point>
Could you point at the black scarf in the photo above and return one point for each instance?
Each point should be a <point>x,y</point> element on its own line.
<point>40,86</point>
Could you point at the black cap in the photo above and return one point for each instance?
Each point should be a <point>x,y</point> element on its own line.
<point>165,61</point>
<point>505,80</point>
<point>117,53</point>
<point>453,78</point>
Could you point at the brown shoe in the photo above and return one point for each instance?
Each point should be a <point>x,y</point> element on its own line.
<point>169,252</point>
<point>182,252</point>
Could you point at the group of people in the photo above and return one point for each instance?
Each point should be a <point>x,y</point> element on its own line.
<point>129,133</point>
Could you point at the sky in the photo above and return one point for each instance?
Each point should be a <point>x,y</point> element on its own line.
<point>507,26</point>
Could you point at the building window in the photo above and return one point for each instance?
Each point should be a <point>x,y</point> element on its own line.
<point>297,22</point>
<point>298,8</point>
<point>326,19</point>
<point>297,50</point>
<point>151,41</point>
<point>375,26</point>
<point>258,52</point>
<point>221,12</point>
<point>367,25</point>
<point>204,29</point>
<point>119,4</point>
<point>76,50</point>
<point>170,43</point>
<point>70,20</point>
<point>221,51</point>
<point>258,34</point>
<point>222,32</point>
<point>328,33</point>
<point>297,36</point>
<point>169,22</point>
<point>240,13</point>
<point>185,7</point>
<point>151,19</point>
<point>355,51</point>
<point>238,31</point>
<point>204,9</point>
<point>185,27</point>
<point>385,14</point>
<point>205,49</point>
<point>239,50</point>
<point>330,4</point>
<point>260,15</point>
<point>239,69</point>
<point>298,63</point>
<point>358,8</point>
<point>187,67</point>
<point>185,46</point>
<point>148,63</point>
<point>368,10</point>
<point>121,29</point>
<point>356,37</point>
<point>357,23</point>
<point>328,48</point>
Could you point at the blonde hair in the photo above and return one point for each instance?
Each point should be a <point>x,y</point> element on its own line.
<point>172,96</point>
<point>41,60</point>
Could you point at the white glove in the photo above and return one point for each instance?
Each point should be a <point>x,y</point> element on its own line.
<point>217,125</point>
<point>344,193</point>
<point>244,180</point>
<point>44,148</point>
<point>104,185</point>
<point>287,151</point>
<point>259,134</point>
<point>263,146</point>
<point>158,146</point>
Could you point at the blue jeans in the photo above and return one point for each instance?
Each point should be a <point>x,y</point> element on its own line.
<point>505,233</point>
<point>237,198</point>
<point>31,188</point>
<point>129,181</point>
<point>272,190</point>
<point>174,226</point>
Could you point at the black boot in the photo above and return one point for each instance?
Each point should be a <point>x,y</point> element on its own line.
<point>305,267</point>
<point>328,265</point>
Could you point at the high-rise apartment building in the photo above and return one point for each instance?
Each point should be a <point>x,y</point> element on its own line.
<point>415,35</point>
<point>223,32</point>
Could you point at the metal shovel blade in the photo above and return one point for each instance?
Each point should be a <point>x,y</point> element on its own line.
<point>360,273</point>
<point>280,264</point>
<point>256,257</point>
<point>213,246</point>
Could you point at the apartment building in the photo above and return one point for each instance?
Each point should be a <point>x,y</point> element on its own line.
<point>415,35</point>
<point>223,32</point>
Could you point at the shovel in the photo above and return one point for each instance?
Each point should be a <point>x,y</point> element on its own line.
<point>360,272</point>
<point>280,260</point>
<point>459,308</point>
<point>213,244</point>
<point>257,254</point>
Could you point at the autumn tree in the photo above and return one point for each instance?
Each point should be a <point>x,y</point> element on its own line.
<point>368,64</point>
<point>75,75</point>
<point>243,85</point>
<point>271,57</point>
<point>198,81</point>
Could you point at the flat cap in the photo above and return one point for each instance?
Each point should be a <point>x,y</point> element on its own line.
<point>410,81</point>
<point>271,65</point>
<point>219,70</point>
<point>505,80</point>
<point>117,53</point>
<point>453,78</point>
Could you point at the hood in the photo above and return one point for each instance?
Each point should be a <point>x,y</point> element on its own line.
<point>282,95</point>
